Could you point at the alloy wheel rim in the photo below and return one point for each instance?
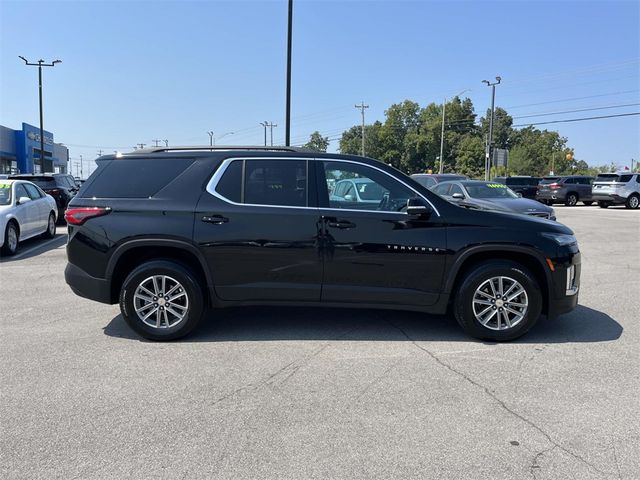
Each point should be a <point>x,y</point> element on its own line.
<point>500,303</point>
<point>634,202</point>
<point>12,238</point>
<point>572,200</point>
<point>161,302</point>
<point>52,225</point>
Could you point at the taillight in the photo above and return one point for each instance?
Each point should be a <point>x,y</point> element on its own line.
<point>555,186</point>
<point>54,191</point>
<point>79,215</point>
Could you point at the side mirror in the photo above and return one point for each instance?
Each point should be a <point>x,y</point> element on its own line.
<point>418,208</point>
<point>22,200</point>
<point>458,196</point>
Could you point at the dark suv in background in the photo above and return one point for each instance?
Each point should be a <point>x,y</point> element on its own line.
<point>61,186</point>
<point>526,186</point>
<point>170,232</point>
<point>569,190</point>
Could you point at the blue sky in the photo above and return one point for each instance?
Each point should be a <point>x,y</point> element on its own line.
<point>137,71</point>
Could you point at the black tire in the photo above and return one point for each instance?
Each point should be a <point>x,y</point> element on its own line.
<point>571,200</point>
<point>61,211</point>
<point>192,289</point>
<point>602,204</point>
<point>588,203</point>
<point>50,232</point>
<point>463,300</point>
<point>9,247</point>
<point>633,201</point>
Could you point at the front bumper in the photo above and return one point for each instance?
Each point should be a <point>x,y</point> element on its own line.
<point>84,285</point>
<point>565,283</point>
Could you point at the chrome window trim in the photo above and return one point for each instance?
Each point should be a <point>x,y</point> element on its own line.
<point>213,183</point>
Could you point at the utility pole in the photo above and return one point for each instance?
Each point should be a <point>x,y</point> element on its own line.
<point>265,124</point>
<point>81,167</point>
<point>362,107</point>
<point>141,145</point>
<point>156,141</point>
<point>444,107</point>
<point>166,143</point>
<point>40,64</point>
<point>488,155</point>
<point>287,134</point>
<point>100,152</point>
<point>210,138</point>
<point>271,125</point>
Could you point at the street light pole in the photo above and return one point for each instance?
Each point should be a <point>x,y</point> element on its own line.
<point>265,124</point>
<point>41,63</point>
<point>490,142</point>
<point>287,133</point>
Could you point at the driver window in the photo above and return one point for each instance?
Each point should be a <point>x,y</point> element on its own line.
<point>368,188</point>
<point>21,191</point>
<point>32,191</point>
<point>455,189</point>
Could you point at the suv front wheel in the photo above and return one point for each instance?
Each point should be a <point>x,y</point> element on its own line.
<point>161,300</point>
<point>498,300</point>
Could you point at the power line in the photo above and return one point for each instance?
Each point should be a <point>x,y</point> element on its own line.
<point>577,119</point>
<point>578,110</point>
<point>571,99</point>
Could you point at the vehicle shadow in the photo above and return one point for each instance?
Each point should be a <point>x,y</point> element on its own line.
<point>250,324</point>
<point>36,246</point>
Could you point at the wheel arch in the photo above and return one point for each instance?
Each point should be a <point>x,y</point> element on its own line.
<point>136,252</point>
<point>522,255</point>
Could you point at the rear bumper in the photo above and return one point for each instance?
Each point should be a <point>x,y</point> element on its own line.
<point>608,197</point>
<point>550,196</point>
<point>84,285</point>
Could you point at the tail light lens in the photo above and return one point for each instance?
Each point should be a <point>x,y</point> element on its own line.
<point>554,186</point>
<point>79,215</point>
<point>54,191</point>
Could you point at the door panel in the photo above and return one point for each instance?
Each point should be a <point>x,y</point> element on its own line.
<point>256,251</point>
<point>381,255</point>
<point>27,213</point>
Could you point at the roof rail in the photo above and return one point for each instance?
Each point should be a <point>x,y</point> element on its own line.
<point>219,148</point>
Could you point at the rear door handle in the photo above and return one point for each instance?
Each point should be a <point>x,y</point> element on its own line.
<point>342,224</point>
<point>215,219</point>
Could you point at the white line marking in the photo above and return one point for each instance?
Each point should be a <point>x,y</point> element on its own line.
<point>36,247</point>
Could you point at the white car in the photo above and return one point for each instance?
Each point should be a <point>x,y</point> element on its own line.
<point>25,212</point>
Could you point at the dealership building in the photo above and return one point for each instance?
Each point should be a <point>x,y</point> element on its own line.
<point>20,151</point>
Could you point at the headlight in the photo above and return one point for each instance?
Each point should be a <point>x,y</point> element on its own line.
<point>561,239</point>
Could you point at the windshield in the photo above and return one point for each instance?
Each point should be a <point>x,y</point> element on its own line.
<point>612,177</point>
<point>370,191</point>
<point>548,180</point>
<point>489,190</point>
<point>5,193</point>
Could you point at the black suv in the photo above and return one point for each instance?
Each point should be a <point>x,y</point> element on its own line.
<point>526,186</point>
<point>170,232</point>
<point>61,186</point>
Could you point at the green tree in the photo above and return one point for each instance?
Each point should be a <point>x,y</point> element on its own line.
<point>317,142</point>
<point>470,155</point>
<point>503,133</point>
<point>351,140</point>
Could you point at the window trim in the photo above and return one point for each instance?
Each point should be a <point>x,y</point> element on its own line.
<point>215,178</point>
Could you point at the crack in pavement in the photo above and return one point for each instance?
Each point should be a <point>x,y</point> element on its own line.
<point>534,462</point>
<point>500,402</point>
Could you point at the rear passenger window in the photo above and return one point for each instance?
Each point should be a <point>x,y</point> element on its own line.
<point>625,178</point>
<point>265,182</point>
<point>135,178</point>
<point>32,190</point>
<point>276,182</point>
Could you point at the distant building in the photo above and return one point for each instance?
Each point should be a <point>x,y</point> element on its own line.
<point>20,151</point>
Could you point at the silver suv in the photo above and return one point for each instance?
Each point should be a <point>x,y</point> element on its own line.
<point>617,189</point>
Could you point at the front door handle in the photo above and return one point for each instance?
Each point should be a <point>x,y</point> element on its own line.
<point>215,219</point>
<point>342,224</point>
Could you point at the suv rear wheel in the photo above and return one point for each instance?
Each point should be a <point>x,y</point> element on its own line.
<point>571,200</point>
<point>161,300</point>
<point>498,300</point>
<point>633,201</point>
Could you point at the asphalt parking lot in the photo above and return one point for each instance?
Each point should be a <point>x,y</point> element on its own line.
<point>294,393</point>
